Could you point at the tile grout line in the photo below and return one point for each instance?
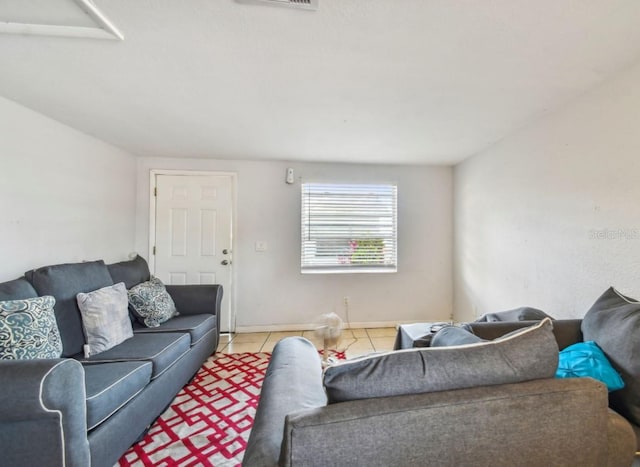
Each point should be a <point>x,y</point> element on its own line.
<point>265,341</point>
<point>370,341</point>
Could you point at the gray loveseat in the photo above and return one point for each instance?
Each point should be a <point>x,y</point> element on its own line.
<point>78,412</point>
<point>528,420</point>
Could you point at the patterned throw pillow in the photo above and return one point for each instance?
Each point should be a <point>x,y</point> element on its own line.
<point>28,329</point>
<point>105,318</point>
<point>151,303</point>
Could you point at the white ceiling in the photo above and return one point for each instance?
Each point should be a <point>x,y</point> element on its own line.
<point>377,81</point>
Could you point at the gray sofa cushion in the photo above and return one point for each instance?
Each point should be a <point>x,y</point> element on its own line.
<point>453,335</point>
<point>529,354</point>
<point>196,325</point>
<point>524,313</point>
<point>17,289</point>
<point>613,322</point>
<point>111,385</point>
<point>130,272</point>
<point>64,282</point>
<point>567,331</point>
<point>161,349</point>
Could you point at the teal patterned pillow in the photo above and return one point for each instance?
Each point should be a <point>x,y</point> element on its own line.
<point>28,329</point>
<point>151,303</point>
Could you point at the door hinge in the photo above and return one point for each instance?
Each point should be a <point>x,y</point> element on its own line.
<point>155,191</point>
<point>154,250</point>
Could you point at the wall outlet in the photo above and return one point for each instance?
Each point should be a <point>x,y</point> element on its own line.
<point>261,245</point>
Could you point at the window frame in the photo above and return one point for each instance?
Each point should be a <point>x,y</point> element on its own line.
<point>383,201</point>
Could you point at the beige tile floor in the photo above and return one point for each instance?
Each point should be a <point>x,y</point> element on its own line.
<point>354,342</point>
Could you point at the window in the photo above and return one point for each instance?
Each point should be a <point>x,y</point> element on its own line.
<point>348,228</point>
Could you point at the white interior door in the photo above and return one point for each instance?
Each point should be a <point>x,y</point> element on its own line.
<point>193,233</point>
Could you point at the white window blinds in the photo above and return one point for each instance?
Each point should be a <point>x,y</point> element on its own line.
<point>349,228</point>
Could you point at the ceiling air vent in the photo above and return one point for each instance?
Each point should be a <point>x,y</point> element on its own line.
<point>304,4</point>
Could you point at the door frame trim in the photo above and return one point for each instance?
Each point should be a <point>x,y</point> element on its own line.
<point>153,173</point>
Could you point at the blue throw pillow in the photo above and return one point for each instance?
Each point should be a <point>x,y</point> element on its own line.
<point>587,359</point>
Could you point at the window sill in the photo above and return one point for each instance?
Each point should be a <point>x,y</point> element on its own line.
<point>349,271</point>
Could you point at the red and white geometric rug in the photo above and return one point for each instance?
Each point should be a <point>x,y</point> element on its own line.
<point>209,421</point>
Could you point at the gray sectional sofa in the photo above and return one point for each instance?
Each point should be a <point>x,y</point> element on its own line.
<point>568,332</point>
<point>485,404</point>
<point>75,411</point>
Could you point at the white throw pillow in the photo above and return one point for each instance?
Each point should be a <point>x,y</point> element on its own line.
<point>105,318</point>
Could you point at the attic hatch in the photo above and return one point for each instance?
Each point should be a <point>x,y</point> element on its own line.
<point>63,18</point>
<point>301,4</point>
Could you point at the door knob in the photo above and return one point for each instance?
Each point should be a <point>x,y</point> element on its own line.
<point>224,262</point>
<point>225,252</point>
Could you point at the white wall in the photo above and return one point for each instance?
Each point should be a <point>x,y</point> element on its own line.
<point>530,210</point>
<point>270,291</point>
<point>64,196</point>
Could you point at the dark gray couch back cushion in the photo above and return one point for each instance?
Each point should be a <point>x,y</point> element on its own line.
<point>531,353</point>
<point>130,272</point>
<point>613,322</point>
<point>64,282</point>
<point>524,313</point>
<point>17,289</point>
<point>567,331</point>
<point>453,335</point>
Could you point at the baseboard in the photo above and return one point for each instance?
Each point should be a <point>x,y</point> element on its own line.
<point>306,327</point>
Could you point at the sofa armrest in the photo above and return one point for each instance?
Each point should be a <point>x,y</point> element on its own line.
<point>541,422</point>
<point>622,440</point>
<point>566,331</point>
<point>43,413</point>
<point>195,299</point>
<point>293,381</point>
